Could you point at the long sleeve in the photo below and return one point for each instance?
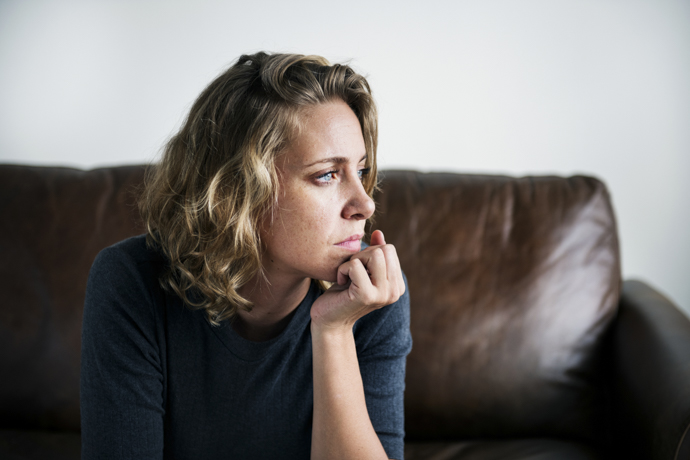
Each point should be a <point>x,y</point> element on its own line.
<point>122,382</point>
<point>383,343</point>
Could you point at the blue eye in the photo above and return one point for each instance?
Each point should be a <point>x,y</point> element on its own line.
<point>326,177</point>
<point>330,176</point>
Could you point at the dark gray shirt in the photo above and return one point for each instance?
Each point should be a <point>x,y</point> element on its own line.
<point>158,381</point>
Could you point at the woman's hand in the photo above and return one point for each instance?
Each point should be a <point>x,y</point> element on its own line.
<point>371,279</point>
<point>341,427</point>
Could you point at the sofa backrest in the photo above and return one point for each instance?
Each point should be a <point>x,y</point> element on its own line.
<point>513,282</point>
<point>53,223</point>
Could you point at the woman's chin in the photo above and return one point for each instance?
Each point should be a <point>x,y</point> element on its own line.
<point>329,274</point>
<point>330,278</point>
<point>329,271</point>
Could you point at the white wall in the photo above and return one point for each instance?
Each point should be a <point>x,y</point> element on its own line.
<point>517,87</point>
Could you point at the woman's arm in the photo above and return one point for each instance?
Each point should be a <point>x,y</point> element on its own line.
<point>121,370</point>
<point>342,428</point>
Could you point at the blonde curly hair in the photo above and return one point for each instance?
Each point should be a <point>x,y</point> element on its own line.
<point>203,202</point>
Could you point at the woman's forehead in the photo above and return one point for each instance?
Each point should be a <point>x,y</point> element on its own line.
<point>329,133</point>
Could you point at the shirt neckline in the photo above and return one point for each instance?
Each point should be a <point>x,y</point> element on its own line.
<point>247,350</point>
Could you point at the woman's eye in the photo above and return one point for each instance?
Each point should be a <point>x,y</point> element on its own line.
<point>325,178</point>
<point>330,176</point>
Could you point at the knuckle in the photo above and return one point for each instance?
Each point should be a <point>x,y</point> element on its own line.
<point>391,253</point>
<point>368,297</point>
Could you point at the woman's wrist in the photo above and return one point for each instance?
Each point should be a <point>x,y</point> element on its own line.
<point>331,332</point>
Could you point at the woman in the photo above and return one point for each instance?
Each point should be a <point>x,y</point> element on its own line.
<point>216,334</point>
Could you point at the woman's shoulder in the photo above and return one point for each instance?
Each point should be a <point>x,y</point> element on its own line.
<point>131,254</point>
<point>124,288</point>
<point>135,249</point>
<point>129,265</point>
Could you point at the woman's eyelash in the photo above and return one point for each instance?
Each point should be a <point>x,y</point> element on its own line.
<point>328,176</point>
<point>324,177</point>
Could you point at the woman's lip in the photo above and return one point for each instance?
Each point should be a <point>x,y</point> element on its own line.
<point>352,243</point>
<point>356,237</point>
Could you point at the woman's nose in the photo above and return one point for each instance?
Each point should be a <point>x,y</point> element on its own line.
<point>359,204</point>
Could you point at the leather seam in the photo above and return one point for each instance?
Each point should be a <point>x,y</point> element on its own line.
<point>682,440</point>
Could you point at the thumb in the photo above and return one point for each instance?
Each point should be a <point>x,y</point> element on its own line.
<point>377,238</point>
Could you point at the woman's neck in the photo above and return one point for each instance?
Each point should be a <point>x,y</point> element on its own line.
<point>274,301</point>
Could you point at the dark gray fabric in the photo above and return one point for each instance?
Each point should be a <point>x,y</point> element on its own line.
<point>158,381</point>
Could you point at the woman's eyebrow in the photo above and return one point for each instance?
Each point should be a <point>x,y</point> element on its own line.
<point>336,160</point>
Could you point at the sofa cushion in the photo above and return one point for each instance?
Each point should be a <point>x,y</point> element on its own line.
<point>39,445</point>
<point>54,222</point>
<point>524,449</point>
<point>513,282</point>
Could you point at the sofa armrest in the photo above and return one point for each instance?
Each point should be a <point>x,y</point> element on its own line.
<point>651,347</point>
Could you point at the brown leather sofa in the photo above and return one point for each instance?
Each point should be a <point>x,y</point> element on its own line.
<point>524,346</point>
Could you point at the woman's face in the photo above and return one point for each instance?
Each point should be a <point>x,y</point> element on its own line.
<point>322,208</point>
